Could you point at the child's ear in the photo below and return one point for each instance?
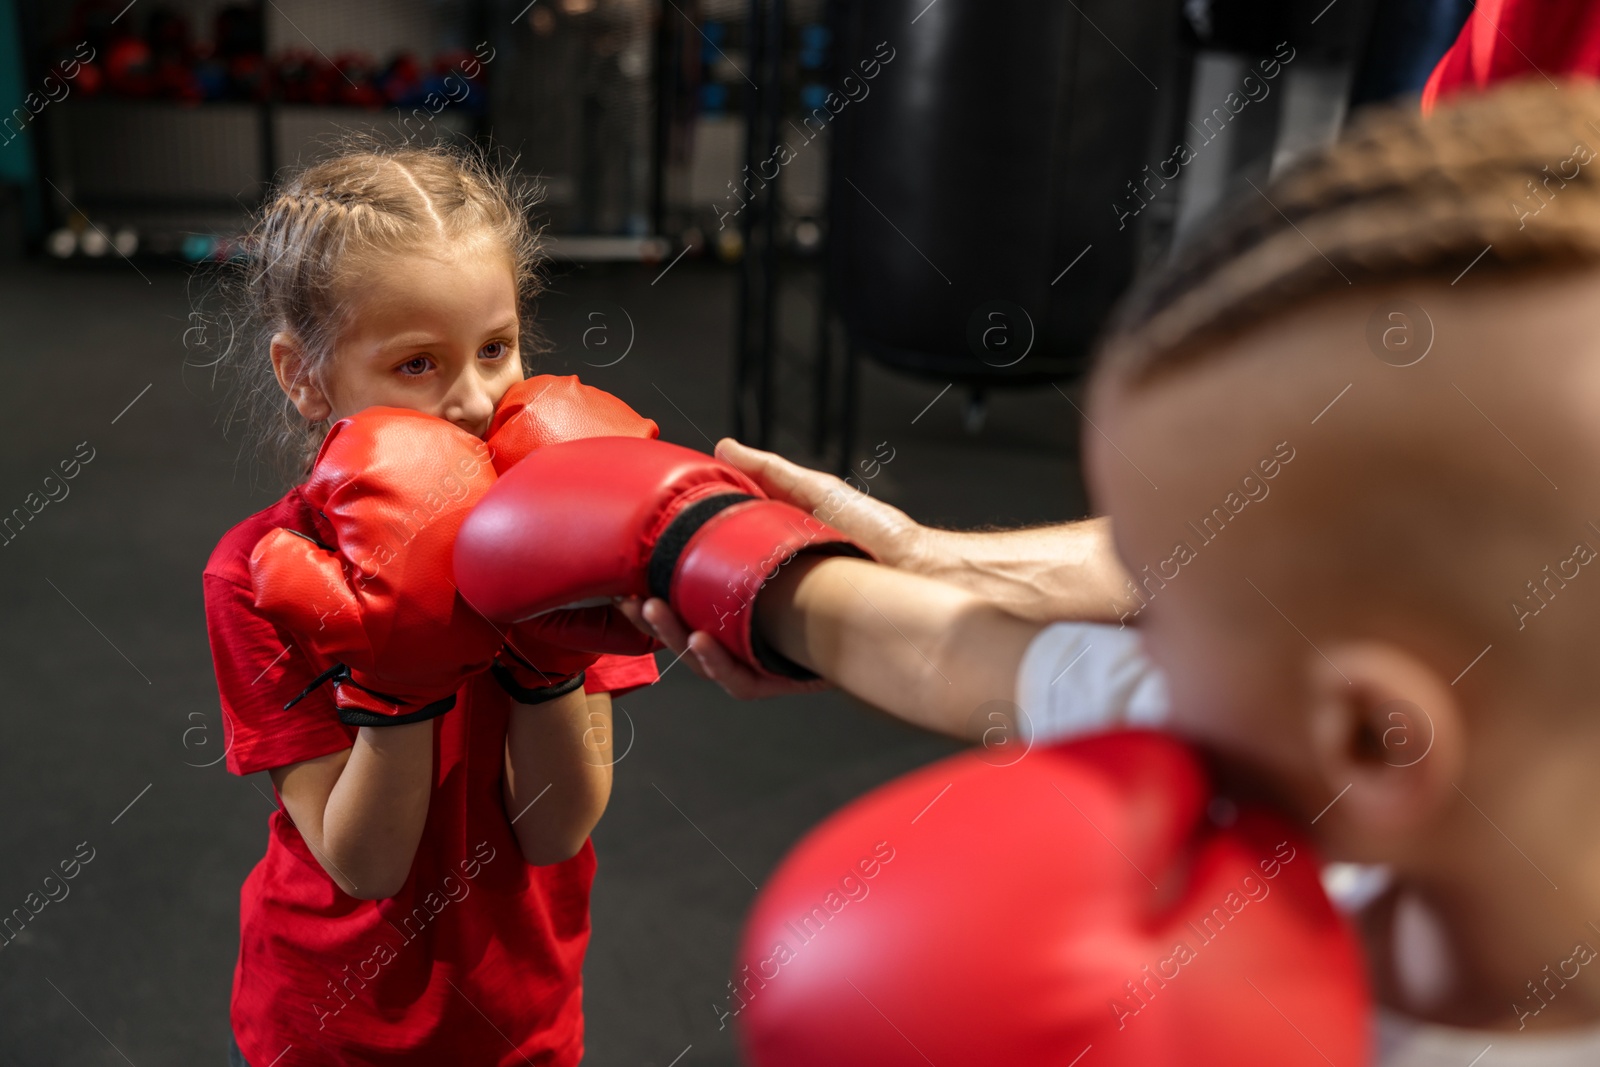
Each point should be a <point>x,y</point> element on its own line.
<point>1387,735</point>
<point>289,365</point>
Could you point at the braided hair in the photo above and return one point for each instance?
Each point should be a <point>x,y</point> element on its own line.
<point>314,234</point>
<point>1492,182</point>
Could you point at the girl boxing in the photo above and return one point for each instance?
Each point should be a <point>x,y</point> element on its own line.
<point>424,894</point>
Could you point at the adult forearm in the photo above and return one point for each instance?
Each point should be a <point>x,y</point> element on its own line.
<point>558,773</point>
<point>1045,574</point>
<point>376,810</point>
<point>1049,573</point>
<point>920,649</point>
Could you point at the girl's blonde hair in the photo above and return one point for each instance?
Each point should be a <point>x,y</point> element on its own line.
<point>313,235</point>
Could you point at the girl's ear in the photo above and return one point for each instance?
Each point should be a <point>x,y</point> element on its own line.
<point>1389,738</point>
<point>289,365</point>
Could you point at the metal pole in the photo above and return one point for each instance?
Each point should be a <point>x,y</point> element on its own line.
<point>766,352</point>
<point>747,282</point>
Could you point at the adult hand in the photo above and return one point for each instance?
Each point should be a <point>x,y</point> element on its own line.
<point>1051,573</point>
<point>892,536</point>
<point>705,655</point>
<point>887,532</point>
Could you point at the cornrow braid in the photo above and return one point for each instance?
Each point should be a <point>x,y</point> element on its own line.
<point>1487,182</point>
<point>310,240</point>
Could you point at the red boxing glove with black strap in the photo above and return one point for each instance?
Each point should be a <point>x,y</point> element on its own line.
<point>547,409</point>
<point>546,651</point>
<point>532,672</point>
<point>1076,907</point>
<point>395,486</point>
<point>631,517</point>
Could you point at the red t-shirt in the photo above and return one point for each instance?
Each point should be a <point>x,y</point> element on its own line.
<point>1505,39</point>
<point>476,961</point>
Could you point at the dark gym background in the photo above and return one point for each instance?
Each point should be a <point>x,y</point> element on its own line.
<point>849,309</point>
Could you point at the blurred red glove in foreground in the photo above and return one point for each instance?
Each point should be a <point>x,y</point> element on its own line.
<point>1075,909</point>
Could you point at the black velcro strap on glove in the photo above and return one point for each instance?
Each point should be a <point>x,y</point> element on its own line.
<point>524,695</point>
<point>362,717</point>
<point>675,538</point>
<point>339,675</point>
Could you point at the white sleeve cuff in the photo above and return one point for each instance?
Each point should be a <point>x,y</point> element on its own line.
<point>1078,678</point>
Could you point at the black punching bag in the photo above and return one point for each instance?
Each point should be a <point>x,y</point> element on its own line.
<point>989,154</point>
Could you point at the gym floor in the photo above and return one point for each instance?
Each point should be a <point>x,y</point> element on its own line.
<point>113,738</point>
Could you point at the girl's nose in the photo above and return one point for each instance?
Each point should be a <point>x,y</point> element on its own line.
<point>470,405</point>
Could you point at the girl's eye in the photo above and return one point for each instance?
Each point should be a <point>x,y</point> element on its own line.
<point>494,350</point>
<point>416,366</point>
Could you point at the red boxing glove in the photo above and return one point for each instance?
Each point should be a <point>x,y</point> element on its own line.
<point>545,409</point>
<point>631,517</point>
<point>1074,908</point>
<point>546,651</point>
<point>395,486</point>
<point>532,671</point>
